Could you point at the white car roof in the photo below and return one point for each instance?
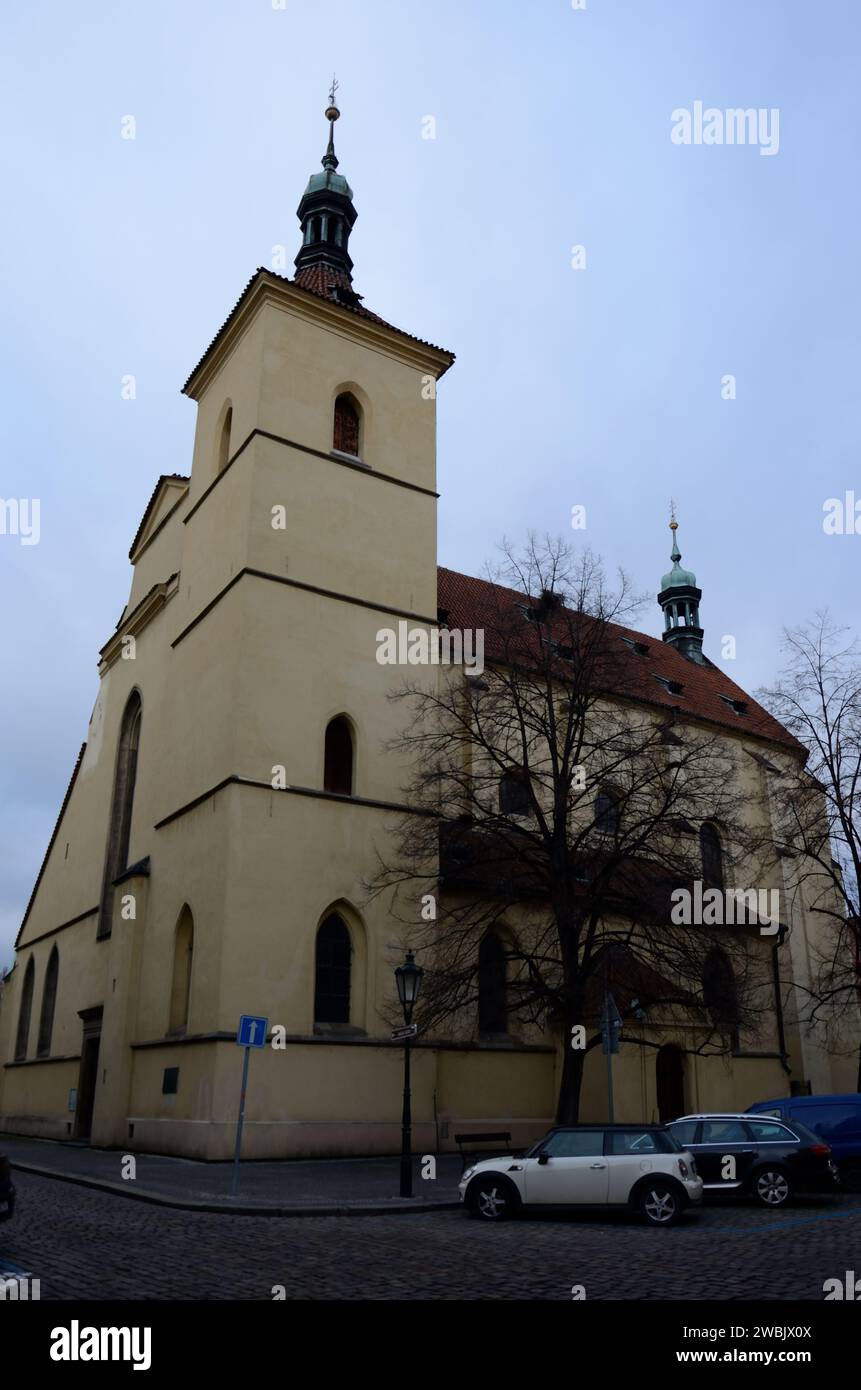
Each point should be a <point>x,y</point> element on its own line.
<point>716,1115</point>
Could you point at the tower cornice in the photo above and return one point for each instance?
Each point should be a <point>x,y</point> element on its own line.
<point>267,288</point>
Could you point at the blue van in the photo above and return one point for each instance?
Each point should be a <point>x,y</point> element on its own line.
<point>837,1121</point>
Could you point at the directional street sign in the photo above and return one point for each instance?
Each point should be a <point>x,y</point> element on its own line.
<point>408,1031</point>
<point>611,1025</point>
<point>252,1031</point>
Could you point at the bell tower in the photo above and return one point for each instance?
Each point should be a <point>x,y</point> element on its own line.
<point>680,600</point>
<point>326,214</point>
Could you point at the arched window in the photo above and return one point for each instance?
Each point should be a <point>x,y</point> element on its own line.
<point>712,856</point>
<point>24,1012</point>
<point>338,760</point>
<point>346,431</point>
<point>183,953</point>
<point>224,440</point>
<point>720,995</point>
<point>514,793</point>
<point>125,775</point>
<point>492,1003</point>
<point>607,811</point>
<point>49,1000</point>
<point>332,974</point>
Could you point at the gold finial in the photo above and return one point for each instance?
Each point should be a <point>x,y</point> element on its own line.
<point>674,525</point>
<point>332,112</point>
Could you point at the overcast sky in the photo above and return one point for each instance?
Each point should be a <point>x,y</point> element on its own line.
<point>599,386</point>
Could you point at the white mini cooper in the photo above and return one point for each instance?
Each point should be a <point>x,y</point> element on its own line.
<point>638,1167</point>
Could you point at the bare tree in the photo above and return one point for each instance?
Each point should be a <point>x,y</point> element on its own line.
<point>818,699</point>
<point>554,809</point>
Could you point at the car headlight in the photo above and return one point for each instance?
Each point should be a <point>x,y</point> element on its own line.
<point>467,1173</point>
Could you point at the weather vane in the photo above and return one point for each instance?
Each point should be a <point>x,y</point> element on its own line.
<point>333,89</point>
<point>674,525</point>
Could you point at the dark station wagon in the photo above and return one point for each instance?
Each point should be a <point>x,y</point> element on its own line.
<point>756,1156</point>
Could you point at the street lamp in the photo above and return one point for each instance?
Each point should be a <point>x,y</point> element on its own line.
<point>409,981</point>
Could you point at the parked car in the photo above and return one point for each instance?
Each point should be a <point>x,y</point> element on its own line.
<point>7,1191</point>
<point>837,1121</point>
<point>771,1159</point>
<point>639,1167</point>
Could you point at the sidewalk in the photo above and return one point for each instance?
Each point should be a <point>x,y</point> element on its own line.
<point>290,1187</point>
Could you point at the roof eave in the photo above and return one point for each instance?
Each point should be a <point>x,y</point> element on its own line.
<point>265,286</point>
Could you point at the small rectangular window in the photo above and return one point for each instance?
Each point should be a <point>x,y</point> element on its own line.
<point>170,1081</point>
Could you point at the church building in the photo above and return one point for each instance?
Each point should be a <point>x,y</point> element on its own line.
<point>209,855</point>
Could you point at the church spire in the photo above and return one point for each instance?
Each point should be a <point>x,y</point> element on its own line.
<point>680,601</point>
<point>326,215</point>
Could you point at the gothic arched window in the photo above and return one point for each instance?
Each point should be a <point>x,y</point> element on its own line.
<point>607,811</point>
<point>49,1000</point>
<point>125,776</point>
<point>332,972</point>
<point>492,1003</point>
<point>514,793</point>
<point>338,759</point>
<point>23,1034</point>
<point>183,955</point>
<point>720,994</point>
<point>712,856</point>
<point>224,440</point>
<point>346,432</point>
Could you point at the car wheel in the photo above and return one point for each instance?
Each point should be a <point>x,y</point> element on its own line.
<point>772,1188</point>
<point>491,1199</point>
<point>850,1176</point>
<point>660,1204</point>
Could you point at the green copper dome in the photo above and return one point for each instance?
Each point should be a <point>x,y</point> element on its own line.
<point>678,578</point>
<point>329,181</point>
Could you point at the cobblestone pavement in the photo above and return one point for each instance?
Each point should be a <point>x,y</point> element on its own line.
<point>87,1244</point>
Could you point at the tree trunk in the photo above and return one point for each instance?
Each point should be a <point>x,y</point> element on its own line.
<point>568,1104</point>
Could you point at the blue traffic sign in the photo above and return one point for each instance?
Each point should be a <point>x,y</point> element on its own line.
<point>252,1031</point>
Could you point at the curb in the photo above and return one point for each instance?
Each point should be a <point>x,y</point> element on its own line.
<point>222,1208</point>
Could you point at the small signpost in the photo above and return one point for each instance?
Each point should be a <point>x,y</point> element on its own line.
<point>611,1027</point>
<point>251,1033</point>
<point>409,1030</point>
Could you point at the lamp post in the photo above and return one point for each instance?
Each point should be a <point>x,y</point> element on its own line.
<point>409,981</point>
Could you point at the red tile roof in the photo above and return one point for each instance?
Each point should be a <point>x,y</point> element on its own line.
<point>478,603</point>
<point>321,281</point>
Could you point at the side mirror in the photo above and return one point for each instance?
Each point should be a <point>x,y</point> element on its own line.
<point>543,1159</point>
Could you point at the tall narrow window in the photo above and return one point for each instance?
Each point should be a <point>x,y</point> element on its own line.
<point>712,856</point>
<point>607,811</point>
<point>49,1000</point>
<point>183,952</point>
<point>338,759</point>
<point>224,440</point>
<point>332,976</point>
<point>514,793</point>
<point>346,432</point>
<point>125,776</point>
<point>24,1012</point>
<point>492,1004</point>
<point>720,994</point>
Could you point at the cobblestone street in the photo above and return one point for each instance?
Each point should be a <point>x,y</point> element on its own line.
<point>87,1244</point>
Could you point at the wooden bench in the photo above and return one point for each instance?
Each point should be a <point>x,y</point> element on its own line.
<point>502,1137</point>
